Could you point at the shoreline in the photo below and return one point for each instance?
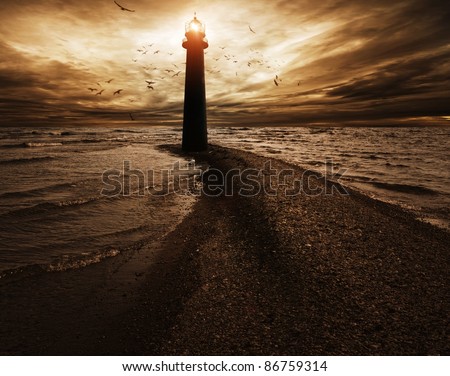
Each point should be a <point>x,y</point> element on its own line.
<point>328,275</point>
<point>262,275</point>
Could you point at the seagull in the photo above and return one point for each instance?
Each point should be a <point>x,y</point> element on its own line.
<point>251,29</point>
<point>117,91</point>
<point>298,83</point>
<point>122,8</point>
<point>176,74</point>
<point>99,84</point>
<point>150,87</point>
<point>92,89</point>
<point>109,81</point>
<point>150,82</point>
<point>222,48</point>
<point>275,81</point>
<point>131,116</point>
<point>156,52</point>
<point>100,92</point>
<point>169,70</point>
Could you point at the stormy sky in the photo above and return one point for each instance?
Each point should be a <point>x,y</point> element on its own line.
<point>356,62</point>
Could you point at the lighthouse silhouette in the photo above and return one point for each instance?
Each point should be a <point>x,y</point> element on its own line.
<point>195,137</point>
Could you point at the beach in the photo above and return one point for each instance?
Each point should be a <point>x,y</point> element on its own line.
<point>313,273</point>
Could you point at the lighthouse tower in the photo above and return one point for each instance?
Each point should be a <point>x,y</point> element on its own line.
<point>195,136</point>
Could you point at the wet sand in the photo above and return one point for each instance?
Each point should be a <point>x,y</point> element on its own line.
<point>262,275</point>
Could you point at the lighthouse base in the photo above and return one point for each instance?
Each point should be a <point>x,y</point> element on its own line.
<point>194,137</point>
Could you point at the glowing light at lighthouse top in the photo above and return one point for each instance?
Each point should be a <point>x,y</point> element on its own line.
<point>195,26</point>
<point>195,35</point>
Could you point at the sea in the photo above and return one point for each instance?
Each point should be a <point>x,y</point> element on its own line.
<point>63,204</point>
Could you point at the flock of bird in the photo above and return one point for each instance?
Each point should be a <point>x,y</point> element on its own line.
<point>254,59</point>
<point>101,89</point>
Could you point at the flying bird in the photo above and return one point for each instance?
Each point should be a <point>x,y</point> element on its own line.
<point>156,52</point>
<point>251,29</point>
<point>92,89</point>
<point>123,8</point>
<point>109,81</point>
<point>275,81</point>
<point>150,87</point>
<point>117,91</point>
<point>100,92</point>
<point>150,82</point>
<point>176,74</point>
<point>131,116</point>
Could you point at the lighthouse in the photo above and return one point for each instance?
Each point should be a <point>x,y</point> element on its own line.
<point>195,137</point>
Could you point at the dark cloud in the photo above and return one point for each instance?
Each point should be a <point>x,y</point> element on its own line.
<point>338,61</point>
<point>419,76</point>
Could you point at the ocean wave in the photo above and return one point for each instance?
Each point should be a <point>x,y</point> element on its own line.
<point>71,261</point>
<point>98,140</point>
<point>67,262</point>
<point>32,145</point>
<point>371,156</point>
<point>49,206</point>
<point>40,144</point>
<point>62,263</point>
<point>27,160</point>
<point>126,131</point>
<point>405,188</point>
<point>318,130</point>
<point>85,141</point>
<point>396,165</point>
<point>43,133</point>
<point>38,191</point>
<point>357,178</point>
